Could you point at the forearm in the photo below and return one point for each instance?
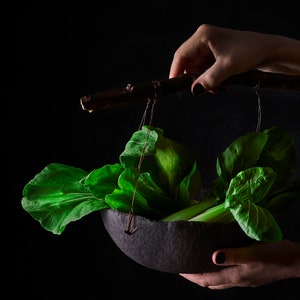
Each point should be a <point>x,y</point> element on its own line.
<point>282,55</point>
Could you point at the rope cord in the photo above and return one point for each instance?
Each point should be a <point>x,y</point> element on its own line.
<point>130,228</point>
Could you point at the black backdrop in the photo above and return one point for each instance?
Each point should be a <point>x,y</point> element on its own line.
<point>69,49</point>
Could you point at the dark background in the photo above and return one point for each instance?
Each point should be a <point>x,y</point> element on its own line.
<point>65,50</point>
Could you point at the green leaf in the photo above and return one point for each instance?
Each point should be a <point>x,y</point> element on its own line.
<point>175,162</point>
<point>128,195</point>
<point>188,188</point>
<point>256,221</point>
<point>55,197</point>
<point>246,197</point>
<point>279,154</point>
<point>283,198</point>
<point>241,154</point>
<point>172,166</point>
<point>104,180</point>
<point>142,142</point>
<point>157,198</point>
<point>252,184</point>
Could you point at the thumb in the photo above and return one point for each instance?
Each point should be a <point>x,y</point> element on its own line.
<point>230,256</point>
<point>213,77</point>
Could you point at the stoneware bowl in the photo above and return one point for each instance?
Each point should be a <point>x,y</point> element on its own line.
<point>173,247</point>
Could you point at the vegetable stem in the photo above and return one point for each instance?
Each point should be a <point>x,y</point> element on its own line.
<point>216,213</point>
<point>190,212</point>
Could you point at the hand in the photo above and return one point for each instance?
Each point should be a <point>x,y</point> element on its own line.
<point>251,266</point>
<point>217,53</point>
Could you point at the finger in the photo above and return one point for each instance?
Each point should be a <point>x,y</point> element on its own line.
<point>223,286</point>
<point>177,66</point>
<point>204,280</point>
<point>232,256</point>
<point>195,278</point>
<point>213,76</point>
<point>214,280</point>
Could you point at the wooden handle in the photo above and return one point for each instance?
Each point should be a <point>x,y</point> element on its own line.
<point>164,87</point>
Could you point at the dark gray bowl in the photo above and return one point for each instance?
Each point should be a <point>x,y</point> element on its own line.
<point>173,247</point>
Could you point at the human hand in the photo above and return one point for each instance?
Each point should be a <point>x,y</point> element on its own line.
<point>251,266</point>
<point>214,54</point>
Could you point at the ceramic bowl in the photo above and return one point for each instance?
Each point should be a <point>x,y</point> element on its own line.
<point>173,247</point>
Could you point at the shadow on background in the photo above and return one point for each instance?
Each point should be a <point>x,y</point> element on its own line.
<point>65,51</point>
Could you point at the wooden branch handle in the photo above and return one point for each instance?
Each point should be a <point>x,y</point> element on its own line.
<point>164,87</point>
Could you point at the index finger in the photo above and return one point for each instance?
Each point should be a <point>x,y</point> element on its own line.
<point>177,66</point>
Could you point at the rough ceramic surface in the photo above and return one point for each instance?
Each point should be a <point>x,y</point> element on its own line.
<point>173,247</point>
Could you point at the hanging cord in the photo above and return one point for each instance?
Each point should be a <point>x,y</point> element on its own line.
<point>258,125</point>
<point>130,228</point>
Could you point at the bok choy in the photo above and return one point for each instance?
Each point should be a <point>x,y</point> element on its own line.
<point>254,180</point>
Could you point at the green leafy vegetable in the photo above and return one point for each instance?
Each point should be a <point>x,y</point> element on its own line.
<point>56,197</point>
<point>168,181</point>
<point>245,199</point>
<point>159,178</point>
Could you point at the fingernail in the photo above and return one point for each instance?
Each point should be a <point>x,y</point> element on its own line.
<point>220,258</point>
<point>198,90</point>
